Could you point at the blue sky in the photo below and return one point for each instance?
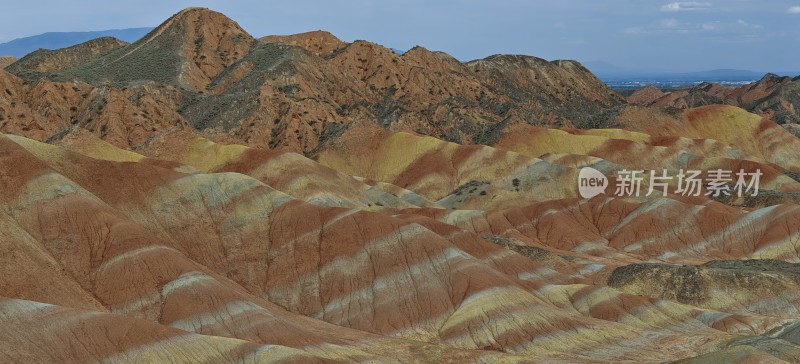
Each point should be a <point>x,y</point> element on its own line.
<point>633,34</point>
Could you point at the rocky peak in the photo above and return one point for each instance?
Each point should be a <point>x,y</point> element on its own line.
<point>209,42</point>
<point>318,42</point>
<point>422,55</point>
<point>188,50</point>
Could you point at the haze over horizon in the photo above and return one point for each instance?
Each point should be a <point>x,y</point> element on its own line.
<point>666,36</point>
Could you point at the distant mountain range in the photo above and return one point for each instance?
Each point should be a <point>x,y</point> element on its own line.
<point>55,40</point>
<point>609,72</point>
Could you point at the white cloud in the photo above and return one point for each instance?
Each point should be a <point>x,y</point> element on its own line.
<point>685,6</point>
<point>734,29</point>
<point>748,25</point>
<point>669,23</point>
<point>793,10</point>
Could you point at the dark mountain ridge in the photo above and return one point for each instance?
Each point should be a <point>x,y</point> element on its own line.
<point>20,47</point>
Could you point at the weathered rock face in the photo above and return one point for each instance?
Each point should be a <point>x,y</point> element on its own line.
<point>167,252</point>
<point>773,95</point>
<point>303,199</point>
<point>122,116</point>
<point>732,285</point>
<point>647,95</point>
<point>47,61</point>
<point>319,42</point>
<point>293,100</point>
<point>187,51</point>
<point>792,128</point>
<point>554,93</point>
<point>6,60</point>
<point>294,92</point>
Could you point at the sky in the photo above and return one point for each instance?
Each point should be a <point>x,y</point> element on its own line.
<point>648,35</point>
